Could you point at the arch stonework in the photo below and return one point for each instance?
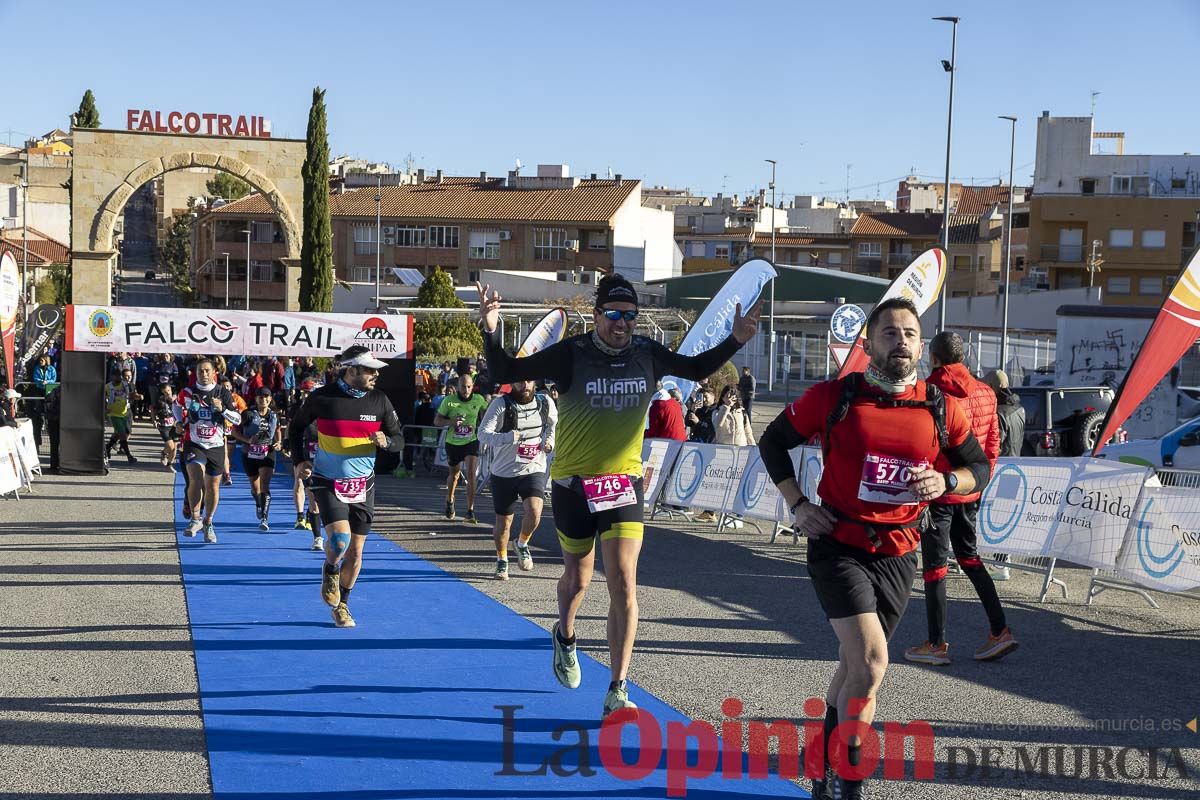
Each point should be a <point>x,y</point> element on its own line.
<point>109,166</point>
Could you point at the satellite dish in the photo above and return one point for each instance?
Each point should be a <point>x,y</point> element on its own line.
<point>518,164</point>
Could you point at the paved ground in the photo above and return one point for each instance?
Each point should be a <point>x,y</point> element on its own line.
<point>98,689</point>
<point>97,679</point>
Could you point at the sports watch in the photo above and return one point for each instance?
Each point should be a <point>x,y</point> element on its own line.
<point>951,481</point>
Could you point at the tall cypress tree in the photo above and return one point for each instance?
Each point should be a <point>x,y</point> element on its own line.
<point>88,116</point>
<point>316,252</point>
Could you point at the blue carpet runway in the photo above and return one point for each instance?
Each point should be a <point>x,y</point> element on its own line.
<point>404,705</point>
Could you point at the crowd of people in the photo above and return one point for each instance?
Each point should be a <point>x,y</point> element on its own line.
<point>905,461</point>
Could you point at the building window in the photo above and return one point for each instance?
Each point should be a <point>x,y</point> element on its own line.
<point>721,251</point>
<point>1122,184</point>
<point>364,239</point>
<point>1120,237</point>
<point>693,221</point>
<point>597,240</point>
<point>962,262</point>
<point>443,236</point>
<point>264,232</point>
<point>1118,285</point>
<point>870,250</point>
<point>410,237</point>
<point>484,244</point>
<point>261,271</point>
<point>1154,239</point>
<point>697,249</point>
<point>1178,183</point>
<point>834,258</point>
<point>362,274</point>
<point>549,244</point>
<point>1150,286</point>
<point>1087,186</point>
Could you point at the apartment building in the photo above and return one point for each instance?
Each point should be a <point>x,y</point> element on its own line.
<point>1101,217</point>
<point>550,223</point>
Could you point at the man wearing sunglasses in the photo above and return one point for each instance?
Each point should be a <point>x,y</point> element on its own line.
<point>606,379</point>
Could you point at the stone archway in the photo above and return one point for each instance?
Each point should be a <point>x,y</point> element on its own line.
<point>109,166</point>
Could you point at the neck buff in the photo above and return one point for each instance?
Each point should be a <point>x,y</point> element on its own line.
<point>604,348</point>
<point>885,384</point>
<point>350,390</point>
<point>205,387</point>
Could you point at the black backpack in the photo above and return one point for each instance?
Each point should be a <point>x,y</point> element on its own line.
<point>852,385</point>
<point>509,423</point>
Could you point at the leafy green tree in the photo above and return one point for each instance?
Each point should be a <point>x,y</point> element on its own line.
<point>316,251</point>
<point>443,335</point>
<point>175,255</point>
<point>88,116</point>
<point>227,187</point>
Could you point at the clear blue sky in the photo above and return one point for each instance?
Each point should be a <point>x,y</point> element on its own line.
<point>690,94</point>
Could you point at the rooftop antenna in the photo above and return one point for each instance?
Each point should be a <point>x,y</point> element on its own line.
<point>848,166</point>
<point>518,170</point>
<point>610,173</point>
<point>724,179</point>
<point>1094,96</point>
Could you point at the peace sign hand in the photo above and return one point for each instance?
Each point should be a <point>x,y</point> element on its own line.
<point>744,327</point>
<point>489,307</point>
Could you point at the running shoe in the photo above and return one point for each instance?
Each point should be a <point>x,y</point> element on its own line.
<point>331,590</point>
<point>318,543</point>
<point>524,558</point>
<point>227,480</point>
<point>1000,573</point>
<point>341,616</point>
<point>300,525</point>
<point>825,788</point>
<point>194,527</point>
<point>210,533</point>
<point>566,665</point>
<point>501,569</point>
<point>997,647</point>
<point>449,510</point>
<point>130,458</point>
<point>617,698</point>
<point>470,518</point>
<point>935,656</point>
<point>263,525</point>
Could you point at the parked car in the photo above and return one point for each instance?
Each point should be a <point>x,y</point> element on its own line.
<point>1178,448</point>
<point>150,275</point>
<point>1064,420</point>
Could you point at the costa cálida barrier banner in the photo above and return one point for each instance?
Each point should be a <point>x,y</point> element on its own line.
<point>132,329</point>
<point>1101,514</point>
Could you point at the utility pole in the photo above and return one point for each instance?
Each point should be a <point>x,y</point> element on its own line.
<point>378,236</point>
<point>771,310</point>
<point>948,66</point>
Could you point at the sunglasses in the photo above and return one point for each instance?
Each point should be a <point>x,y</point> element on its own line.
<point>614,315</point>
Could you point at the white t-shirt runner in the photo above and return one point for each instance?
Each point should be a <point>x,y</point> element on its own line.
<point>524,456</point>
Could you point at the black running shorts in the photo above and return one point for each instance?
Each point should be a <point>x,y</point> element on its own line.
<point>359,515</point>
<point>457,453</point>
<point>577,526</point>
<point>850,581</point>
<point>253,465</point>
<point>168,433</point>
<point>212,459</point>
<point>507,492</point>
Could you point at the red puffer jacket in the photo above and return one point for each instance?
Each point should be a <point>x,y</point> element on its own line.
<point>979,401</point>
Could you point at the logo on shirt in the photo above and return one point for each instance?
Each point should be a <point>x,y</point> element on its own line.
<point>616,394</point>
<point>367,418</point>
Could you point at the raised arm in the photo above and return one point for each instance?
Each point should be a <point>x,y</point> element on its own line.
<point>553,363</point>
<point>701,365</point>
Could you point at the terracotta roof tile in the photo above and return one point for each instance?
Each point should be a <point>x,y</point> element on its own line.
<point>41,247</point>
<point>591,201</point>
<point>898,224</point>
<point>980,199</point>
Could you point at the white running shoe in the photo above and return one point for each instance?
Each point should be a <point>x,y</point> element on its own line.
<point>210,534</point>
<point>263,525</point>
<point>524,558</point>
<point>193,527</point>
<point>318,544</point>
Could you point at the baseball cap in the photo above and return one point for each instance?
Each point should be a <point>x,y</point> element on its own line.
<point>360,357</point>
<point>263,392</point>
<point>997,379</point>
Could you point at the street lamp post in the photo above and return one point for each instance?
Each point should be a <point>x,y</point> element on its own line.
<point>771,291</point>
<point>949,67</point>
<point>247,232</point>
<point>378,235</point>
<point>1012,147</point>
<point>226,279</point>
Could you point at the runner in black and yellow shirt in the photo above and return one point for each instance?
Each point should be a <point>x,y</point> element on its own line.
<point>606,379</point>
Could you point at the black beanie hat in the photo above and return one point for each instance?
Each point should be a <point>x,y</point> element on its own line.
<point>615,289</point>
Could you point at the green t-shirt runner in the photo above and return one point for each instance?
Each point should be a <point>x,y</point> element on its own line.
<point>464,416</point>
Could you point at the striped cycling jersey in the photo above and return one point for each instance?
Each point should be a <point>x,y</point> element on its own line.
<point>345,430</point>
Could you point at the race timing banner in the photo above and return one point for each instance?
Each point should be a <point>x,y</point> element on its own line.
<point>131,329</point>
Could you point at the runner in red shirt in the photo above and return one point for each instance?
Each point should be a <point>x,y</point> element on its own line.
<point>878,478</point>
